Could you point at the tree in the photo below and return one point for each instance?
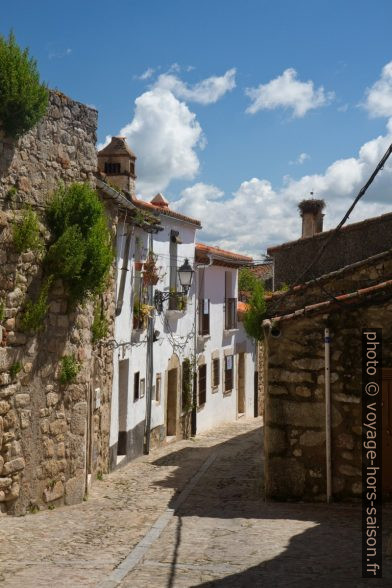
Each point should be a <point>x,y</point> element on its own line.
<point>254,315</point>
<point>246,280</point>
<point>23,99</point>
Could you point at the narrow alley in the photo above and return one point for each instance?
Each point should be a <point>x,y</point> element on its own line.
<point>189,514</point>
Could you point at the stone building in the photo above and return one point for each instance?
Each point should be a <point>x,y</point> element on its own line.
<point>53,438</point>
<point>354,242</point>
<point>346,300</point>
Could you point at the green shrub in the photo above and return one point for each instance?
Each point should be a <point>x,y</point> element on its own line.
<point>99,328</point>
<point>246,280</point>
<point>15,369</point>
<point>25,232</point>
<point>35,312</point>
<point>23,99</point>
<point>81,252</point>
<point>69,369</point>
<point>254,316</point>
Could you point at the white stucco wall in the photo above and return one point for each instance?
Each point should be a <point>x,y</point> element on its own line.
<point>220,406</point>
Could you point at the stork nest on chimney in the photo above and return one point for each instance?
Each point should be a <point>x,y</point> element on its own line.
<point>312,205</point>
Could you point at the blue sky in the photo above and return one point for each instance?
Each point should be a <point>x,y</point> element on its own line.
<point>244,107</point>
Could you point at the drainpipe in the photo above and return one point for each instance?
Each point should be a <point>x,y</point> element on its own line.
<point>194,393</point>
<point>327,343</point>
<point>149,362</point>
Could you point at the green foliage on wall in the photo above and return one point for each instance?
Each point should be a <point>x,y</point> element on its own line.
<point>15,369</point>
<point>256,310</point>
<point>100,326</point>
<point>23,99</point>
<point>26,234</point>
<point>69,369</point>
<point>35,312</point>
<point>2,311</point>
<point>81,252</point>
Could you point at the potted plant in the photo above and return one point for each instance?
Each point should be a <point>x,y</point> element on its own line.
<point>150,273</point>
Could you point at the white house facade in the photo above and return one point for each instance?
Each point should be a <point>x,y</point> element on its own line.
<point>171,377</point>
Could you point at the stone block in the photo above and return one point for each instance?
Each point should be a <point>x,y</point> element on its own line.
<point>54,493</point>
<point>52,399</point>
<point>312,438</point>
<point>5,483</point>
<point>309,363</point>
<point>303,391</point>
<point>345,440</point>
<point>285,479</point>
<point>58,427</point>
<point>75,489</point>
<point>22,400</point>
<point>275,441</point>
<point>79,418</point>
<point>4,407</point>
<point>15,465</point>
<point>348,470</point>
<point>300,413</point>
<point>25,418</point>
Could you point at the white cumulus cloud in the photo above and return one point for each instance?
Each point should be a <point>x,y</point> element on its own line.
<point>302,157</point>
<point>286,91</point>
<point>164,134</point>
<point>257,215</point>
<point>206,91</point>
<point>379,96</point>
<point>147,74</point>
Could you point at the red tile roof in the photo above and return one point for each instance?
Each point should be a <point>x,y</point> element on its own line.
<point>165,210</point>
<point>202,250</point>
<point>350,298</point>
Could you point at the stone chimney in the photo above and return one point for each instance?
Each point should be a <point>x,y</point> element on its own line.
<point>312,216</point>
<point>117,162</point>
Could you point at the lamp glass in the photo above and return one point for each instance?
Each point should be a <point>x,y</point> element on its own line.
<point>185,274</point>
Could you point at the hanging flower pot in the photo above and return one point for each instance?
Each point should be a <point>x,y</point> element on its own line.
<point>150,273</point>
<point>138,266</point>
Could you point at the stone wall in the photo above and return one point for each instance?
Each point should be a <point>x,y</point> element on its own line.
<point>295,402</point>
<point>354,243</point>
<point>51,436</point>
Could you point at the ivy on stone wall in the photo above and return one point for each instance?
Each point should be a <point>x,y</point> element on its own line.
<point>23,98</point>
<point>186,385</point>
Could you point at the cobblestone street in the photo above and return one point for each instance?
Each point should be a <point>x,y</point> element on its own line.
<point>190,514</point>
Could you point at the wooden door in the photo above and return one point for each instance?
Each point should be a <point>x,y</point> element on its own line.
<point>387,431</point>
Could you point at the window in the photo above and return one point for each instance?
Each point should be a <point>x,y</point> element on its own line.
<point>230,303</point>
<point>112,168</point>
<point>231,313</point>
<point>215,372</point>
<point>204,316</point>
<point>142,388</point>
<point>228,373</point>
<point>156,394</point>
<point>136,386</point>
<point>202,384</point>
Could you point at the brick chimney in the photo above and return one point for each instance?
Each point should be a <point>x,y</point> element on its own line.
<point>312,216</point>
<point>117,162</point>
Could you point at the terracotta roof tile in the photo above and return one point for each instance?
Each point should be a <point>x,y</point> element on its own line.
<point>203,249</point>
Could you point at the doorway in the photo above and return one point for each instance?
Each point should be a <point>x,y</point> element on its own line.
<point>241,383</point>
<point>387,431</point>
<point>123,378</point>
<point>171,416</point>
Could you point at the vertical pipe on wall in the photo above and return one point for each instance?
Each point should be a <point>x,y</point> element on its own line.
<point>149,362</point>
<point>327,342</point>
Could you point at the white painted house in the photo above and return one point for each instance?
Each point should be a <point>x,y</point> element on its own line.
<point>226,355</point>
<point>161,342</point>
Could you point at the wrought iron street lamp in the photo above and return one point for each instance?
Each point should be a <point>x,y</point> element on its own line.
<point>185,275</point>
